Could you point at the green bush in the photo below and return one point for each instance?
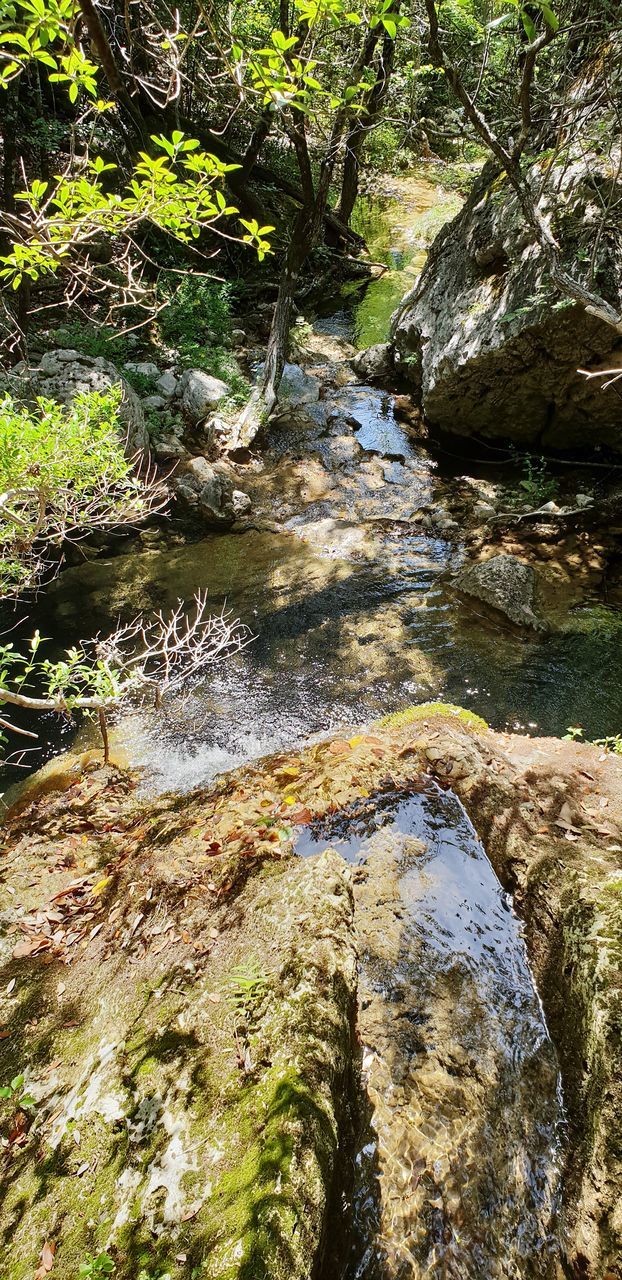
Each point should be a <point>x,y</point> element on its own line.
<point>62,469</point>
<point>199,311</point>
<point>96,340</point>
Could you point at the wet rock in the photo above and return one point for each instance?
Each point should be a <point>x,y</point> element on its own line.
<point>174,1120</point>
<point>506,584</point>
<point>200,394</point>
<point>374,363</point>
<point>297,387</point>
<point>64,374</point>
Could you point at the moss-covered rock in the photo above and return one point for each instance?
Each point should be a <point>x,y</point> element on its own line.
<point>186,1041</point>
<point>179,992</point>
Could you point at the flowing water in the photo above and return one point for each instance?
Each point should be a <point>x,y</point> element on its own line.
<point>349,596</point>
<point>457,1164</point>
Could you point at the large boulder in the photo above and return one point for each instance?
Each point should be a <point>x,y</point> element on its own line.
<point>189,1054</point>
<point>200,393</point>
<point>491,347</point>
<point>506,584</point>
<point>64,374</point>
<point>375,363</point>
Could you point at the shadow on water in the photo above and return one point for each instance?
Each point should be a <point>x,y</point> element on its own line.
<point>457,1165</point>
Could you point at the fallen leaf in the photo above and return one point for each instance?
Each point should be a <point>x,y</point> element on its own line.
<point>214,997</point>
<point>339,747</point>
<point>30,947</point>
<point>11,986</point>
<point>47,1255</point>
<point>4,1035</point>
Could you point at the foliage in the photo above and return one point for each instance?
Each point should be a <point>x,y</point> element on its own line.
<point>612,742</point>
<point>100,1265</point>
<point>537,485</point>
<point>63,472</point>
<point>198,310</point>
<point>247,987</point>
<point>15,1094</point>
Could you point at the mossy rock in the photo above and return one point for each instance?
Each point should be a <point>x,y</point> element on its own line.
<point>415,714</point>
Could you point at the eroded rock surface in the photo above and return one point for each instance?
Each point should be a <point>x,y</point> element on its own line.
<point>490,346</point>
<point>189,1054</point>
<point>504,583</point>
<point>178,992</point>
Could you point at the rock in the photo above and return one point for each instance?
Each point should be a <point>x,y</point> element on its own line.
<point>584,500</point>
<point>145,368</point>
<point>154,402</point>
<point>172,1140</point>
<point>483,509</point>
<point>168,448</point>
<point>491,349</point>
<point>200,393</point>
<point>241,503</point>
<point>374,363</point>
<point>238,337</point>
<point>206,489</point>
<point>507,584</point>
<point>167,384</point>
<point>64,374</point>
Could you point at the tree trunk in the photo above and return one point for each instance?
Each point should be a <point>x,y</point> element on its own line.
<point>299,247</point>
<point>362,127</point>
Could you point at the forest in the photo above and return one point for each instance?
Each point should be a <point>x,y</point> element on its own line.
<point>311,639</point>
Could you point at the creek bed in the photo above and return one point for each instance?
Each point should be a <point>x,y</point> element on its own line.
<point>458,1159</point>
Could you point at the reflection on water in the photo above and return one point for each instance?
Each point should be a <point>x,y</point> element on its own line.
<point>351,602</point>
<point>457,1166</point>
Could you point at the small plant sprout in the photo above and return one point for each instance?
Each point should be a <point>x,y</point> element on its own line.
<point>101,1265</point>
<point>15,1093</point>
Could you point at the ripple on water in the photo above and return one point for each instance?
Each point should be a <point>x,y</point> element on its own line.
<point>458,1162</point>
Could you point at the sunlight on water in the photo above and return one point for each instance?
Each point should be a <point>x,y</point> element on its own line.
<point>457,1165</point>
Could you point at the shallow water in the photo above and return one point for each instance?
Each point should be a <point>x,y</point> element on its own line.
<point>351,601</point>
<point>457,1164</point>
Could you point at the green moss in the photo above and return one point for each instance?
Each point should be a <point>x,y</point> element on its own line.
<point>258,1230</point>
<point>426,709</point>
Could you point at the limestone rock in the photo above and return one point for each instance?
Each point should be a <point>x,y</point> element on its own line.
<point>166,385</point>
<point>490,346</point>
<point>64,374</point>
<point>374,363</point>
<point>206,490</point>
<point>157,1136</point>
<point>507,584</point>
<point>200,393</point>
<point>145,368</point>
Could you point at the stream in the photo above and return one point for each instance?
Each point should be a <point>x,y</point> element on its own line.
<point>457,1164</point>
<point>349,596</point>
<point>347,592</point>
